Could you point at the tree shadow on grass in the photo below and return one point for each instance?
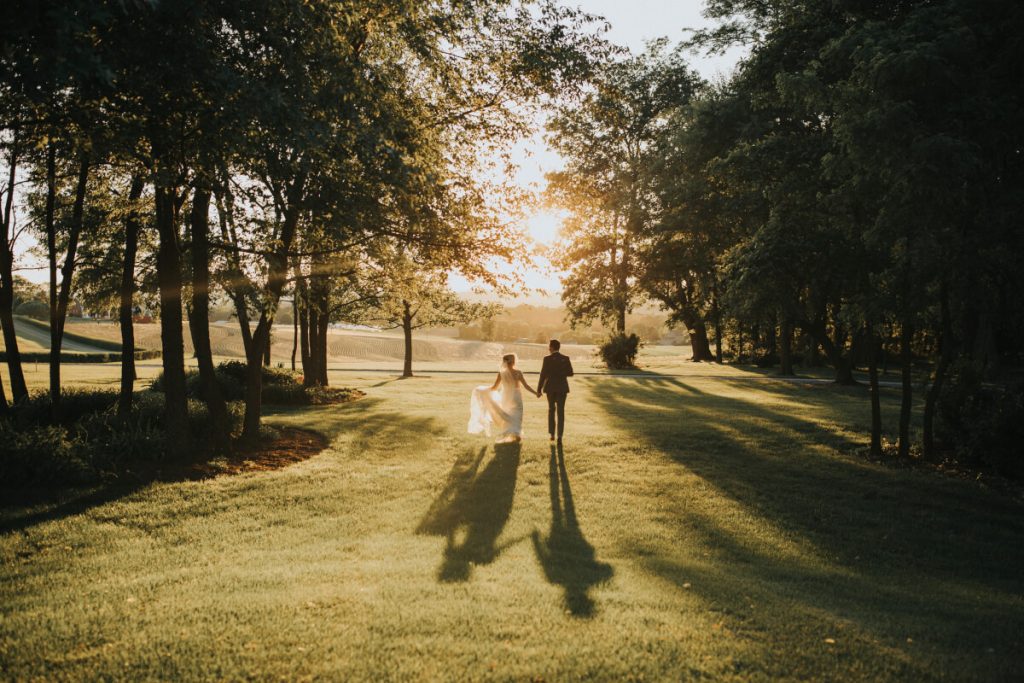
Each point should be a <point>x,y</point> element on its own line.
<point>821,539</point>
<point>363,420</point>
<point>472,509</point>
<point>565,555</point>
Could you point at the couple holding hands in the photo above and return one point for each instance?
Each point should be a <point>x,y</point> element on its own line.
<point>499,408</point>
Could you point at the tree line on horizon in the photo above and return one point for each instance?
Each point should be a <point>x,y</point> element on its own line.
<point>854,189</point>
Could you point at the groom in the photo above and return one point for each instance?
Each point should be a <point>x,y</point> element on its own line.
<point>553,382</point>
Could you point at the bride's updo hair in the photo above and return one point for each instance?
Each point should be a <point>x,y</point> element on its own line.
<point>508,360</point>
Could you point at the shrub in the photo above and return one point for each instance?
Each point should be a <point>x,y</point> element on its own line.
<point>90,441</point>
<point>619,351</point>
<point>983,423</point>
<point>280,386</point>
<point>285,394</point>
<point>75,403</point>
<point>230,388</point>
<point>236,370</point>
<point>41,455</point>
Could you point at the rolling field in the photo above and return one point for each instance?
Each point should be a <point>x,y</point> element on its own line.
<point>695,526</point>
<point>344,346</point>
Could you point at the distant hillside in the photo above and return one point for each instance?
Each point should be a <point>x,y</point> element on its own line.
<point>540,323</point>
<point>342,346</point>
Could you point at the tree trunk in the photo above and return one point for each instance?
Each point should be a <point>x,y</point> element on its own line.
<point>127,292</point>
<point>199,321</point>
<point>19,390</point>
<point>313,332</point>
<point>407,333</point>
<point>698,331</point>
<point>295,325</point>
<point>876,402</point>
<point>304,345</point>
<point>168,272</point>
<point>840,363</point>
<point>786,347</point>
<point>51,256</point>
<point>277,276</point>
<point>906,403</point>
<point>323,327</point>
<point>717,315</point>
<point>254,383</point>
<point>622,298</point>
<point>59,316</point>
<point>945,358</point>
<point>699,342</point>
<point>266,351</point>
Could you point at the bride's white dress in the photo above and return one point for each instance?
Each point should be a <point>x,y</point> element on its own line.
<point>498,413</point>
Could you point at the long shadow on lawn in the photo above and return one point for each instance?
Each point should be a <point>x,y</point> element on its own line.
<point>566,556</point>
<point>900,554</point>
<point>472,509</point>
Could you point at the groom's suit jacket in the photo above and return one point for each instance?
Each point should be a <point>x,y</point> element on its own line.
<point>554,373</point>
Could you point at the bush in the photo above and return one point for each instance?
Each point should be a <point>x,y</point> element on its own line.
<point>90,441</point>
<point>619,351</point>
<point>74,405</point>
<point>230,388</point>
<point>982,423</point>
<point>285,394</point>
<point>280,386</point>
<point>236,370</point>
<point>41,455</point>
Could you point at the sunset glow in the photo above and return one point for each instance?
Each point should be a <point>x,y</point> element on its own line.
<point>544,226</point>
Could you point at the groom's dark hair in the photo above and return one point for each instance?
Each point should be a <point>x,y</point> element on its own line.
<point>555,344</point>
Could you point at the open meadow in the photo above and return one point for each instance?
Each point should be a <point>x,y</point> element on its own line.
<point>698,522</point>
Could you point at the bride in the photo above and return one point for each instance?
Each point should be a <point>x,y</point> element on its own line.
<point>500,410</point>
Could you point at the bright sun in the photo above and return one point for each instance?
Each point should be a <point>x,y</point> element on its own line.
<point>543,226</point>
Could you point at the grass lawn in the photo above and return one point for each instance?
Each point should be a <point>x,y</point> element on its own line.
<point>695,525</point>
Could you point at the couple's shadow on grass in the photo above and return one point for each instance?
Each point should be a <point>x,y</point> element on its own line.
<point>473,507</point>
<point>566,556</point>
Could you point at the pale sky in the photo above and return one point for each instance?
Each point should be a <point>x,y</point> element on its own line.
<point>632,24</point>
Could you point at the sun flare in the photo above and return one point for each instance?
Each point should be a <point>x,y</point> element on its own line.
<point>544,226</point>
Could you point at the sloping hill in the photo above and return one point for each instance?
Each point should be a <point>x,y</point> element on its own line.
<point>343,345</point>
<point>34,336</point>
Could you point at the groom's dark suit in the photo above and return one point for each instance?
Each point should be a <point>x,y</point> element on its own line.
<point>554,374</point>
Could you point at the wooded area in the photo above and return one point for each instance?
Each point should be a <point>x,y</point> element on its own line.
<point>854,190</point>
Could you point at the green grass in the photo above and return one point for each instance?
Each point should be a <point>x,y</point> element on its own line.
<point>695,525</point>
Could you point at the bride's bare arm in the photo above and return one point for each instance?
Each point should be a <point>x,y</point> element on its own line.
<point>497,382</point>
<point>522,380</point>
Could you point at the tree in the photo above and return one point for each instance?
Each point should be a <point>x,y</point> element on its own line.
<point>416,299</point>
<point>609,140</point>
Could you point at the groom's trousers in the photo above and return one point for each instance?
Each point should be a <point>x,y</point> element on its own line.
<point>556,402</point>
